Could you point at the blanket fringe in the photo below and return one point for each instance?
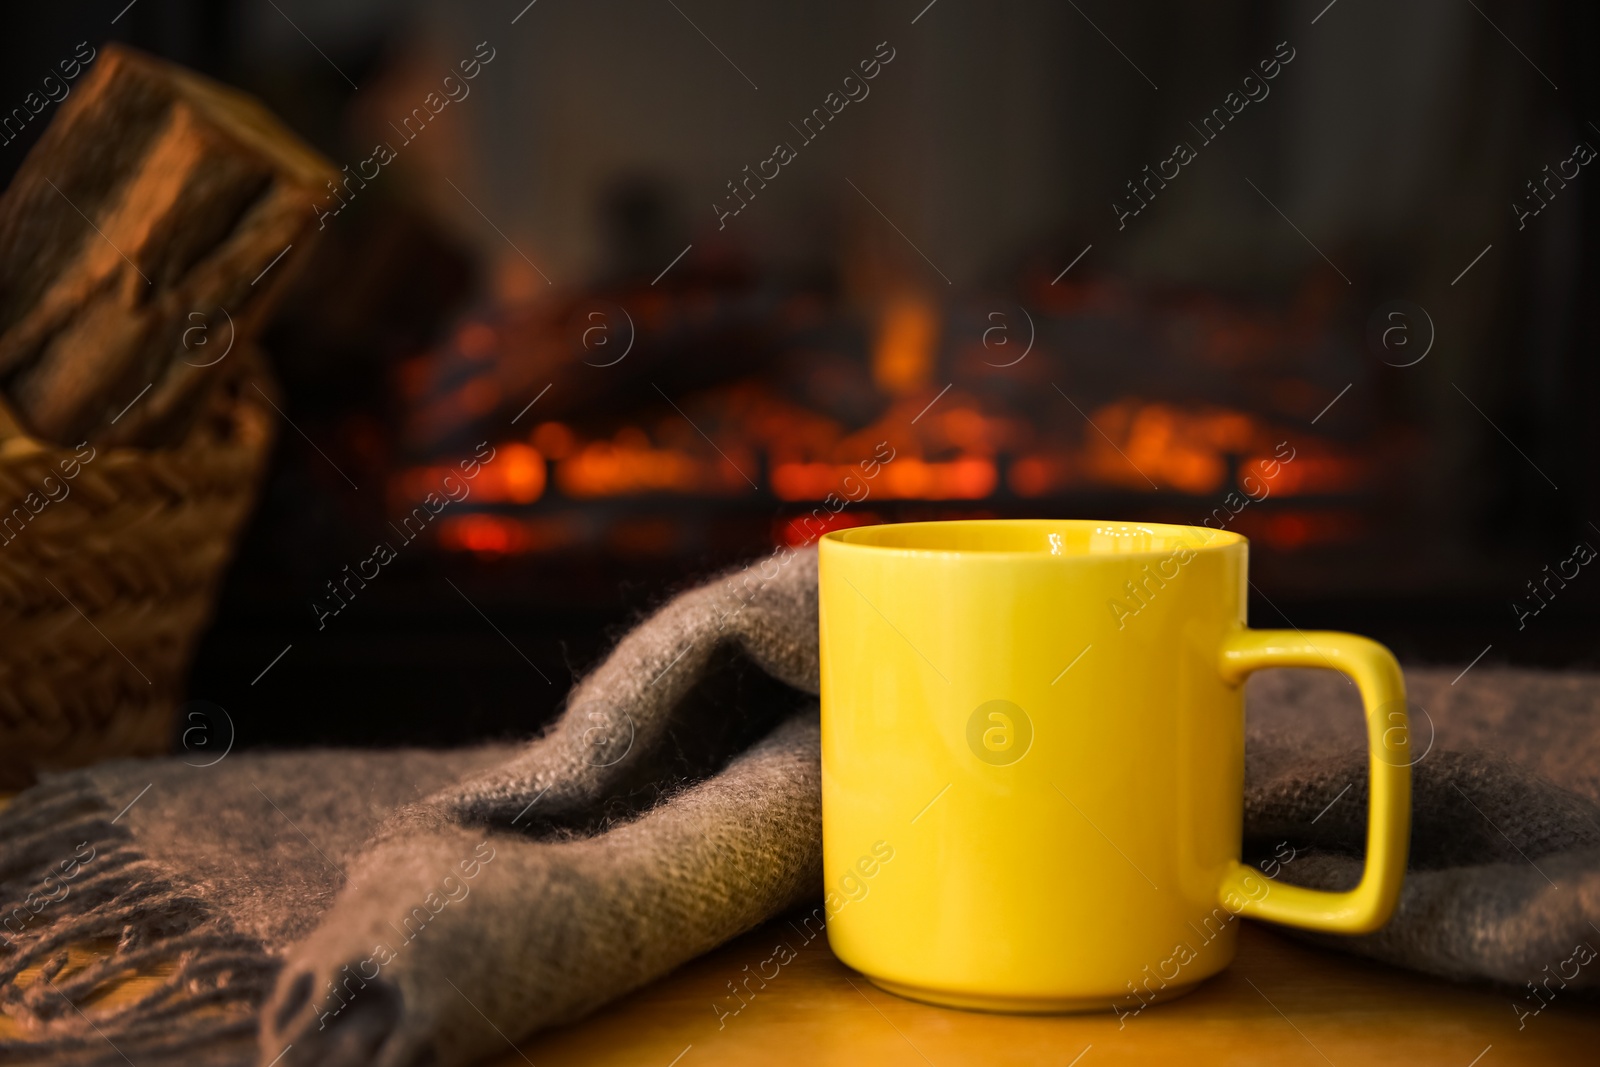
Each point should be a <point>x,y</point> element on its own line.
<point>70,878</point>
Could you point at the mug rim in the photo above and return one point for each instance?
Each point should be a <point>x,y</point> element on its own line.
<point>1197,539</point>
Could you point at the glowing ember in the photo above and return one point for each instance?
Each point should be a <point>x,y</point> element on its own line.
<point>606,468</point>
<point>502,535</point>
<point>517,478</point>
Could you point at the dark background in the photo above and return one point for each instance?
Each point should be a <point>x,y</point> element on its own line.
<point>996,141</point>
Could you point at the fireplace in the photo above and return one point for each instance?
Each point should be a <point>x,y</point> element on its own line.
<point>947,289</point>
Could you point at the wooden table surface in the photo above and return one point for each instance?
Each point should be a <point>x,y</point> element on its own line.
<point>1281,1003</point>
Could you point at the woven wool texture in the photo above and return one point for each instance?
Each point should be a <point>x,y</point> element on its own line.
<point>424,907</point>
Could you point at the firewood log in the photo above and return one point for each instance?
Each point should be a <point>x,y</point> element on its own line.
<point>144,221</point>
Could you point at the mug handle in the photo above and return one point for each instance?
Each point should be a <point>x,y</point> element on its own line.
<point>1383,694</point>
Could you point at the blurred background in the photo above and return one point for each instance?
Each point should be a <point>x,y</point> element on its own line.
<point>684,265</point>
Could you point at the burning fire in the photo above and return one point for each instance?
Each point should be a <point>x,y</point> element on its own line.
<point>750,439</point>
<point>1132,444</point>
<point>764,444</point>
<point>951,455</point>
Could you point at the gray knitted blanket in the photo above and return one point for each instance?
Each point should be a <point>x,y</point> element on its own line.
<point>412,907</point>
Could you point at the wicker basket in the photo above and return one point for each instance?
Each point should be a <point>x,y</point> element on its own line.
<point>105,588</point>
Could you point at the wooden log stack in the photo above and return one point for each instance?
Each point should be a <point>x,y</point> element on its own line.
<point>150,230</point>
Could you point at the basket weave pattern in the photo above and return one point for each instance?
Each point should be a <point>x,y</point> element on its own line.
<point>104,591</point>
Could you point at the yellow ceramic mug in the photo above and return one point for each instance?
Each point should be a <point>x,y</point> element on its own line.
<point>1033,761</point>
